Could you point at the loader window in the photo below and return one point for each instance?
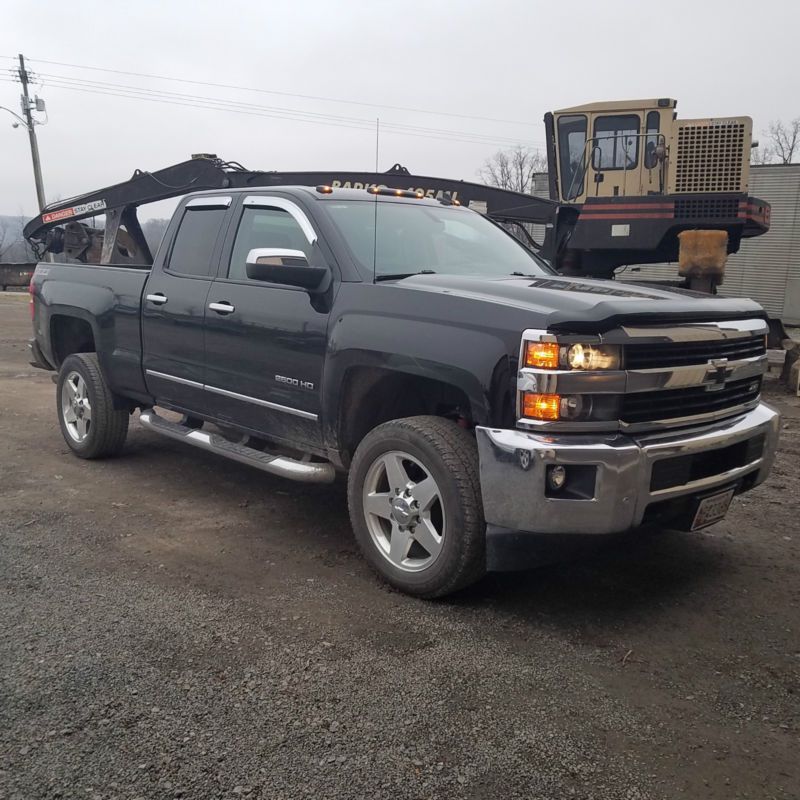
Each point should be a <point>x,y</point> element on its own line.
<point>195,240</point>
<point>616,143</point>
<point>571,149</point>
<point>651,141</point>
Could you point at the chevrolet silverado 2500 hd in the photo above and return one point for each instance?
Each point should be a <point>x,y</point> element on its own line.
<point>477,400</point>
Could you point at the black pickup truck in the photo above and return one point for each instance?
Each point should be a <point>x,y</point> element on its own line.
<point>477,400</point>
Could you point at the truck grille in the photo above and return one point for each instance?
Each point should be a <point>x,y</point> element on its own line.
<point>669,354</point>
<point>710,155</point>
<point>667,404</point>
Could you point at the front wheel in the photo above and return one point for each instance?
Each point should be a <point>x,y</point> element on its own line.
<point>415,505</point>
<point>90,424</point>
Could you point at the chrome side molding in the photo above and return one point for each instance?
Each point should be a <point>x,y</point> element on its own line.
<point>235,395</point>
<point>304,471</point>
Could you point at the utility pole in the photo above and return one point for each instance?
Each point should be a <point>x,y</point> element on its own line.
<point>26,110</point>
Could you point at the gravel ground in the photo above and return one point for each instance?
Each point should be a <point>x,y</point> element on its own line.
<point>174,625</point>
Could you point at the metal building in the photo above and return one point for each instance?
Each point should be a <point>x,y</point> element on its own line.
<point>766,268</point>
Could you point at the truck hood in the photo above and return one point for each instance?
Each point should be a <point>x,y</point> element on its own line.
<point>579,304</point>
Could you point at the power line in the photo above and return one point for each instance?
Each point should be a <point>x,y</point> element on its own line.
<point>216,105</point>
<point>60,80</point>
<point>284,94</point>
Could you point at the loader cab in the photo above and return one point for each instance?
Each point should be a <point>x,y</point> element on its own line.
<point>612,149</point>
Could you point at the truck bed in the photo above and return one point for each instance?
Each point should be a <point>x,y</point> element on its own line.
<point>108,298</point>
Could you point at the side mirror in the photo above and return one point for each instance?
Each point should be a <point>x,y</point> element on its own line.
<point>285,267</point>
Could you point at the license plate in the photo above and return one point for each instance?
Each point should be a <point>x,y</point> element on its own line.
<point>712,509</point>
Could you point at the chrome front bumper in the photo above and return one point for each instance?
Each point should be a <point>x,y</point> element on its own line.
<point>513,465</point>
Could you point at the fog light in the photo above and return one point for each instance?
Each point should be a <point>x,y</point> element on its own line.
<point>556,477</point>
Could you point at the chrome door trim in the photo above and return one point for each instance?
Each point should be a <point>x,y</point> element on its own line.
<point>173,378</point>
<point>235,395</point>
<point>297,213</point>
<point>210,202</point>
<point>265,403</point>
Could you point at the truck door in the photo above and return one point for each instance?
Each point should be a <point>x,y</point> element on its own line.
<point>615,163</point>
<point>572,157</point>
<point>174,305</point>
<point>265,343</point>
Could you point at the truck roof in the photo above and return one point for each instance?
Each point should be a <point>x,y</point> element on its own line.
<point>621,105</point>
<point>335,193</point>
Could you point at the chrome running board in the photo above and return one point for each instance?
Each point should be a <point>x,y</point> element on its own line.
<point>305,471</point>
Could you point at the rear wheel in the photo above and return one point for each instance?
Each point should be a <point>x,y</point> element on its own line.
<point>90,424</point>
<point>415,505</point>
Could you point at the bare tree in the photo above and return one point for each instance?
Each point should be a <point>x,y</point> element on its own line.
<point>13,245</point>
<point>513,169</point>
<point>785,139</point>
<point>762,155</point>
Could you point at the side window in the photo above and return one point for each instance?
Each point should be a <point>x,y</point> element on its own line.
<point>651,141</point>
<point>571,147</point>
<point>194,242</point>
<point>616,142</point>
<point>265,227</point>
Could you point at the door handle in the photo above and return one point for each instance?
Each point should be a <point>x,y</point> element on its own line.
<point>222,308</point>
<point>158,298</point>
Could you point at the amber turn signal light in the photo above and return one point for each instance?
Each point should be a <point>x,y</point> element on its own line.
<point>543,355</point>
<point>541,406</point>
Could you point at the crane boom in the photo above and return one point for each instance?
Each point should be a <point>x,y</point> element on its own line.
<point>119,201</point>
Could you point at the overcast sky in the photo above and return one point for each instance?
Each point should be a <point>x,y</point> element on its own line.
<point>486,71</point>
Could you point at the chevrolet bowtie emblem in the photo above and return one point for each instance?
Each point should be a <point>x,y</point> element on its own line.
<point>718,371</point>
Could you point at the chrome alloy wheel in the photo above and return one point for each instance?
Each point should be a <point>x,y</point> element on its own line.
<point>75,407</point>
<point>404,511</point>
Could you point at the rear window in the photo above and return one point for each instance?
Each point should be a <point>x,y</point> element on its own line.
<point>195,240</point>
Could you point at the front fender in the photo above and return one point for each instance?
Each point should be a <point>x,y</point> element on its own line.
<point>476,362</point>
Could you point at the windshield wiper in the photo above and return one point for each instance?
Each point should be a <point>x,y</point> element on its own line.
<point>523,275</point>
<point>396,276</point>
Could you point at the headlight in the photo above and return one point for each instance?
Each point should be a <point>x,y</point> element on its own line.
<point>551,355</point>
<point>601,356</point>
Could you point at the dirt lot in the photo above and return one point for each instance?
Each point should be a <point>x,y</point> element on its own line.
<point>174,625</point>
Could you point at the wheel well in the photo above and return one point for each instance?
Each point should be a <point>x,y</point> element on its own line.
<point>70,335</point>
<point>371,396</point>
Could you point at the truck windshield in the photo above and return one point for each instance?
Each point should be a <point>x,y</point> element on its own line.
<point>445,240</point>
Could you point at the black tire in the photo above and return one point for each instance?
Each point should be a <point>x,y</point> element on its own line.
<point>449,455</point>
<point>105,432</point>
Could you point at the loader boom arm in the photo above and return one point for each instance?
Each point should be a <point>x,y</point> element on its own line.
<point>119,202</point>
